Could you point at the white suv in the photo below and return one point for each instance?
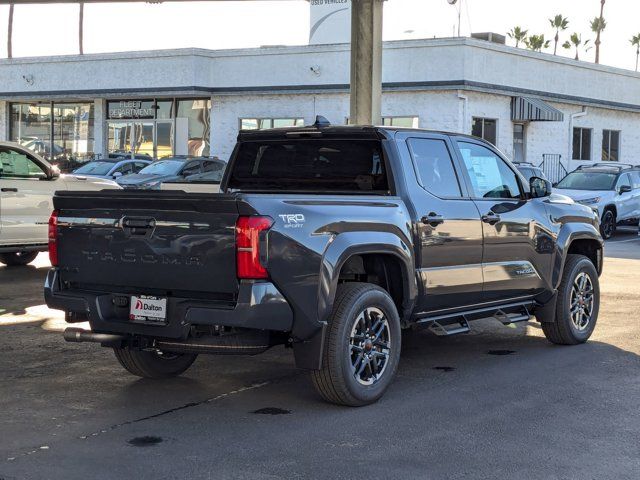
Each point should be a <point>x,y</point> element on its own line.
<point>612,190</point>
<point>27,185</point>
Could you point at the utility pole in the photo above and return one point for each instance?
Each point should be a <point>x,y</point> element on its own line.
<point>81,29</point>
<point>10,33</point>
<point>366,62</point>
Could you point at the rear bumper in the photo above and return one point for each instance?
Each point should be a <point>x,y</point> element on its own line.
<point>260,306</point>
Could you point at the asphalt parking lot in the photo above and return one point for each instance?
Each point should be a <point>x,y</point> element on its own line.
<point>497,403</point>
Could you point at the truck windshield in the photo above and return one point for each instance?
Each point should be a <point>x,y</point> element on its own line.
<point>588,181</point>
<point>318,165</point>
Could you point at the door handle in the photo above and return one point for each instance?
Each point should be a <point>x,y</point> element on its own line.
<point>9,189</point>
<point>491,218</point>
<point>433,219</point>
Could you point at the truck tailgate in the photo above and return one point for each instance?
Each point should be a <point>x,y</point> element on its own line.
<point>147,242</point>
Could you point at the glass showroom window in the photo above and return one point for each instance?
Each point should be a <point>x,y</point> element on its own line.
<point>198,116</point>
<point>410,122</point>
<point>610,145</point>
<point>486,128</point>
<point>262,123</point>
<point>61,132</point>
<point>581,144</point>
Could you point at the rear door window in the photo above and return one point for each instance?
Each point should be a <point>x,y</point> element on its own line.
<point>434,165</point>
<point>318,165</point>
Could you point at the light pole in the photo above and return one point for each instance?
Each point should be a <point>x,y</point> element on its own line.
<point>453,2</point>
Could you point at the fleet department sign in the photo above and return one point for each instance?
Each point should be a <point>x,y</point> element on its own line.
<point>131,109</point>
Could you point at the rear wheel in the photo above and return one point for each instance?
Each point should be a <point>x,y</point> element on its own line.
<point>577,305</point>
<point>17,258</point>
<point>154,364</point>
<point>608,224</point>
<point>362,352</point>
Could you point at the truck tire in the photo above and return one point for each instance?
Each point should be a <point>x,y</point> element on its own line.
<point>153,364</point>
<point>362,349</point>
<point>608,224</point>
<point>577,305</point>
<point>17,258</point>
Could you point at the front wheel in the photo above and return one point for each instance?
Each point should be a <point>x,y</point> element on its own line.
<point>362,352</point>
<point>577,305</point>
<point>153,364</point>
<point>17,259</point>
<point>608,224</point>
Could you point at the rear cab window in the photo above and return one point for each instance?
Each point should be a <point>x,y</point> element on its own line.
<point>318,165</point>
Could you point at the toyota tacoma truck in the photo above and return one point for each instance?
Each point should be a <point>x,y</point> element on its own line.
<point>329,240</point>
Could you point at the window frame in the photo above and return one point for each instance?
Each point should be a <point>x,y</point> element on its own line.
<point>573,153</point>
<point>452,157</point>
<point>484,119</point>
<point>608,133</point>
<point>524,190</point>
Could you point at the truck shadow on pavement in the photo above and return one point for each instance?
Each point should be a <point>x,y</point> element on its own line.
<point>20,288</point>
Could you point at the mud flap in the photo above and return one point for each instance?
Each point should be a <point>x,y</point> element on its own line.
<point>308,353</point>
<point>546,313</point>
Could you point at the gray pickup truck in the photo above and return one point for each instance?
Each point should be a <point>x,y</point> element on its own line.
<point>329,240</point>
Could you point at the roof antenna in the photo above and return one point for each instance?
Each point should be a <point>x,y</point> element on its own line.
<point>321,122</point>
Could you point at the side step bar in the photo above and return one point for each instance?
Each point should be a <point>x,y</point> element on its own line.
<point>446,330</point>
<point>438,326</point>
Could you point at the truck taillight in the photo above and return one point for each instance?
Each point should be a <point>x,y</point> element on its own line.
<point>53,238</point>
<point>248,244</point>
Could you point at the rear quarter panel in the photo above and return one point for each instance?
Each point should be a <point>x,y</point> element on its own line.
<point>313,236</point>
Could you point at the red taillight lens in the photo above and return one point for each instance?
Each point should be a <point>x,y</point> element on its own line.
<point>53,238</point>
<point>248,264</point>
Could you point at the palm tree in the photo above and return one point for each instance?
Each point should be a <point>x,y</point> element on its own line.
<point>518,34</point>
<point>598,24</point>
<point>576,41</point>
<point>558,23</point>
<point>536,43</point>
<point>635,41</point>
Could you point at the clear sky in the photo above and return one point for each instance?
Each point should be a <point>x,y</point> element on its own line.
<point>52,29</point>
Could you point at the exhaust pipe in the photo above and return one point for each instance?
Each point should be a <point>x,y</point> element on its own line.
<point>78,335</point>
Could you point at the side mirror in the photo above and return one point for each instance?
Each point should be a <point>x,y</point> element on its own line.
<point>117,174</point>
<point>539,187</point>
<point>625,189</point>
<point>54,172</point>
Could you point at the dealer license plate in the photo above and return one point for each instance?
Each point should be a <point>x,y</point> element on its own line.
<point>148,309</point>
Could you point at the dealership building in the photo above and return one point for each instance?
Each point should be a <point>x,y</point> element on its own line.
<point>533,106</point>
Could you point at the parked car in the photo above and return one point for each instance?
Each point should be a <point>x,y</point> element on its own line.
<point>122,155</point>
<point>611,190</point>
<point>169,170</point>
<point>206,182</point>
<point>27,185</point>
<point>529,170</point>
<point>111,168</point>
<point>329,240</point>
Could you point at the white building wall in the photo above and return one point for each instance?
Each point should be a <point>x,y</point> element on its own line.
<point>227,110</point>
<point>4,121</point>
<point>450,111</point>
